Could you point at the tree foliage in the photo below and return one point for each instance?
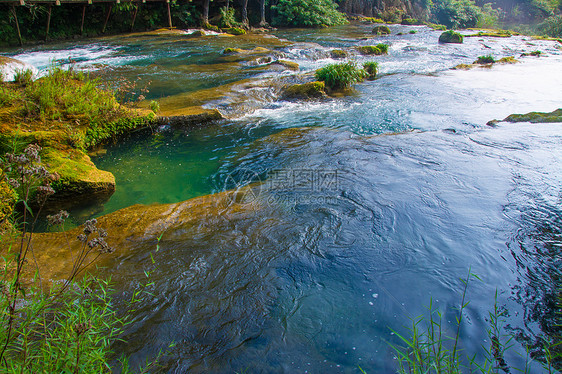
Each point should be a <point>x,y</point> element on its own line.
<point>307,13</point>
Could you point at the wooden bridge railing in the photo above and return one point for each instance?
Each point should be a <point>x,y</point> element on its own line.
<point>14,3</point>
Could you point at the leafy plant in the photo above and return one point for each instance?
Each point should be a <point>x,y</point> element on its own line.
<point>315,13</point>
<point>154,106</point>
<point>227,18</point>
<point>552,26</point>
<point>339,76</point>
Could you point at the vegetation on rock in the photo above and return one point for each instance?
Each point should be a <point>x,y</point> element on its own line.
<point>236,31</point>
<point>379,49</point>
<point>338,53</point>
<point>381,30</point>
<point>372,69</point>
<point>488,59</point>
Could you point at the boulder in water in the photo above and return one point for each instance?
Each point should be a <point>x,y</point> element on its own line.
<point>451,36</point>
<point>381,30</point>
<point>308,90</point>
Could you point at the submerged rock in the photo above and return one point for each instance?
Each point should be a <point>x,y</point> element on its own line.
<point>411,22</point>
<point>310,90</point>
<point>451,37</point>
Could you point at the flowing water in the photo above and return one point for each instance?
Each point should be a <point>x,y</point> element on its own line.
<point>363,207</point>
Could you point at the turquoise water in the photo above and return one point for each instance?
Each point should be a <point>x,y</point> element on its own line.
<point>417,191</point>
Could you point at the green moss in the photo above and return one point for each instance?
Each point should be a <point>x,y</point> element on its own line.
<point>381,30</point>
<point>507,60</point>
<point>493,33</point>
<point>372,20</point>
<point>338,53</point>
<point>463,67</point>
<point>379,49</point>
<point>451,36</point>
<point>436,26</point>
<point>236,31</point>
<point>372,69</point>
<point>306,90</point>
<point>99,132</point>
<point>411,21</point>
<point>412,32</point>
<point>536,117</point>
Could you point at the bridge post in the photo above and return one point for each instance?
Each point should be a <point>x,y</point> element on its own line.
<point>48,22</point>
<point>107,18</point>
<point>83,16</point>
<point>134,16</point>
<point>17,23</point>
<point>169,14</point>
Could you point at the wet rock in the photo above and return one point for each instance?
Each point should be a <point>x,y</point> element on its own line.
<point>451,37</point>
<point>9,66</point>
<point>379,49</point>
<point>235,31</point>
<point>411,22</point>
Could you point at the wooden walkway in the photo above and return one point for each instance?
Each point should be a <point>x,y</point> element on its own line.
<point>50,3</point>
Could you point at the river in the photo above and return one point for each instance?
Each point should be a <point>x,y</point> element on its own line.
<point>363,208</point>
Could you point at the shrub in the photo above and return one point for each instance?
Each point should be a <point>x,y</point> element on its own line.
<point>339,76</point>
<point>155,106</point>
<point>488,59</point>
<point>451,36</point>
<point>372,69</point>
<point>307,13</point>
<point>227,18</point>
<point>457,14</point>
<point>23,76</point>
<point>381,30</point>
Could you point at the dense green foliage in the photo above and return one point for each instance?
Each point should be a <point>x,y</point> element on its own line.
<point>456,13</point>
<point>339,76</point>
<point>551,26</point>
<point>308,13</point>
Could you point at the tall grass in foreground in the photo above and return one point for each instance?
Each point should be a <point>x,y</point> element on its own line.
<point>45,327</point>
<point>428,349</point>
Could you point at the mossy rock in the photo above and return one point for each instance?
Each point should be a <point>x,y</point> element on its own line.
<point>381,30</point>
<point>379,49</point>
<point>372,69</point>
<point>483,60</point>
<point>534,53</point>
<point>236,31</point>
<point>310,90</point>
<point>451,36</point>
<point>208,26</point>
<point>463,67</point>
<point>197,33</point>
<point>231,51</point>
<point>338,53</point>
<point>412,32</point>
<point>411,22</point>
<point>288,64</point>
<point>536,117</point>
